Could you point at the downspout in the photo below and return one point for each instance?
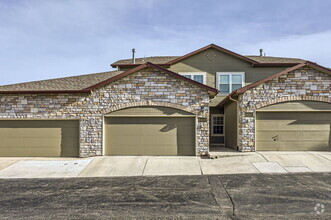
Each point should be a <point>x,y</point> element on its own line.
<point>236,101</point>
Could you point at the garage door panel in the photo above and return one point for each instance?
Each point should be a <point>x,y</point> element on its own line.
<point>159,140</point>
<point>152,150</point>
<point>292,125</point>
<point>185,150</point>
<point>163,129</point>
<point>38,132</point>
<point>39,138</point>
<point>293,131</point>
<point>132,140</point>
<point>27,152</point>
<point>293,135</point>
<point>292,145</point>
<point>322,116</point>
<point>150,136</point>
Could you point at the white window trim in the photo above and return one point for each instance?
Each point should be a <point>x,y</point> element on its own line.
<point>218,74</point>
<point>212,124</point>
<point>195,73</point>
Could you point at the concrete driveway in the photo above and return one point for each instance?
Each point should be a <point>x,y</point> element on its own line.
<point>227,163</point>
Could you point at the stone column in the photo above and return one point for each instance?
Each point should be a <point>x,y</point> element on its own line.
<point>91,136</point>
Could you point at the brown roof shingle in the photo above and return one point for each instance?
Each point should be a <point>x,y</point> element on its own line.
<point>62,84</point>
<point>266,59</point>
<point>142,60</point>
<point>86,83</point>
<point>166,59</point>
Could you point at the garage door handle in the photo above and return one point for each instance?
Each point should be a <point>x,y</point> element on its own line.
<point>275,138</point>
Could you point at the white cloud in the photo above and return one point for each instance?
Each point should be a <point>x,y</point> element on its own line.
<point>56,38</point>
<point>314,47</point>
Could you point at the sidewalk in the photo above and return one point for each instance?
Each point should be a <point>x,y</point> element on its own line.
<point>229,162</point>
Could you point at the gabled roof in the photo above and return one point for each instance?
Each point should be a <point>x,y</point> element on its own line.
<point>143,66</point>
<point>86,83</point>
<point>169,60</point>
<point>73,84</point>
<point>214,46</point>
<point>274,60</point>
<point>257,83</point>
<point>158,60</point>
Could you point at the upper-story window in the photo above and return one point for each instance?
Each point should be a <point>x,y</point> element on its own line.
<point>227,82</point>
<point>196,76</point>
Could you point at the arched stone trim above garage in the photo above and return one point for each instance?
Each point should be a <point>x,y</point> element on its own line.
<point>151,103</point>
<point>292,98</point>
<point>147,86</point>
<point>301,84</point>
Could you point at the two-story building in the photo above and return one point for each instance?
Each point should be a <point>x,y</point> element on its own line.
<point>183,105</point>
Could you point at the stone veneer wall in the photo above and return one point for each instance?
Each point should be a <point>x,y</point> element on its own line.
<point>301,84</point>
<point>147,87</point>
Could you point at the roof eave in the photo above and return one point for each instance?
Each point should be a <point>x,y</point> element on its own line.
<point>135,64</point>
<point>274,64</point>
<point>44,91</point>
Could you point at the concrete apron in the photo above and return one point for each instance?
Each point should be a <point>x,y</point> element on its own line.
<point>108,166</point>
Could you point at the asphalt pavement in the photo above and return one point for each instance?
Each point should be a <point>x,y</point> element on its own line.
<point>239,196</point>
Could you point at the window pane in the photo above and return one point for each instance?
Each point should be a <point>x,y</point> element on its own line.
<point>236,79</point>
<point>224,79</point>
<point>214,120</point>
<point>216,130</point>
<point>236,86</point>
<point>217,120</point>
<point>188,76</point>
<point>198,78</point>
<point>224,88</point>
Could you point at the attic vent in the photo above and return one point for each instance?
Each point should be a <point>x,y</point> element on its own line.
<point>211,56</point>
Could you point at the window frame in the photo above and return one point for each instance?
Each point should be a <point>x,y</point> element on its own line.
<point>212,125</point>
<point>195,73</point>
<point>218,74</point>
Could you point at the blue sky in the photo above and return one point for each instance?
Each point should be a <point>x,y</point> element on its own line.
<point>42,39</point>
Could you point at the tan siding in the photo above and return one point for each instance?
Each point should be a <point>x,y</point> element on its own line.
<point>230,111</point>
<point>222,63</point>
<point>298,106</point>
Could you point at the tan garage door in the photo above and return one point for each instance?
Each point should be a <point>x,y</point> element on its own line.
<point>157,135</point>
<point>46,138</point>
<point>293,131</point>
